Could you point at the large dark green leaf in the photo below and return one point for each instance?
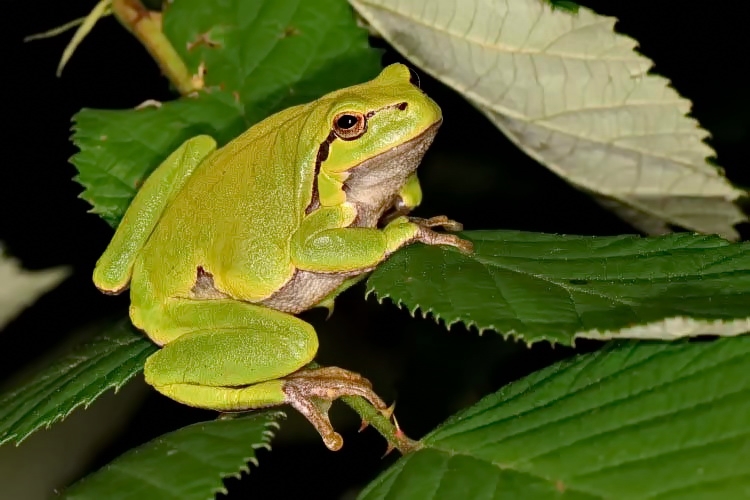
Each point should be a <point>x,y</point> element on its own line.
<point>548,287</point>
<point>632,421</point>
<point>188,464</point>
<point>106,362</point>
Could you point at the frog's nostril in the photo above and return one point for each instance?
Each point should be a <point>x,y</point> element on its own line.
<point>402,106</point>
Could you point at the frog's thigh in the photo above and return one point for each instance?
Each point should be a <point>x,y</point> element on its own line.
<point>233,357</point>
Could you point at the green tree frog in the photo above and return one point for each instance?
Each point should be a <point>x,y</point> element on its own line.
<point>222,247</point>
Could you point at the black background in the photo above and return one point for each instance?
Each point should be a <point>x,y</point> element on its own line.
<point>432,373</point>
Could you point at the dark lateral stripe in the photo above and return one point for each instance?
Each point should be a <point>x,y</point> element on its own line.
<point>323,151</point>
<point>325,148</point>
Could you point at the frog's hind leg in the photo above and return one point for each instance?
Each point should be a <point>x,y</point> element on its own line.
<point>233,356</point>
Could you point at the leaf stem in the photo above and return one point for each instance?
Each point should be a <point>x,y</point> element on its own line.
<point>146,26</point>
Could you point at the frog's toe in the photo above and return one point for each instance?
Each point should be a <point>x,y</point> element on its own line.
<point>440,221</point>
<point>311,391</point>
<point>430,237</point>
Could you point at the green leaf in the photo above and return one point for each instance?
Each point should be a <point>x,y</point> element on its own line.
<point>548,287</point>
<point>106,362</point>
<point>634,420</point>
<point>261,57</point>
<point>188,464</point>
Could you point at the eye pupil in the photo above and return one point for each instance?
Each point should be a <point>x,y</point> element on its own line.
<point>346,122</point>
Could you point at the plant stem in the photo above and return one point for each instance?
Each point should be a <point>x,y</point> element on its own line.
<point>145,25</point>
<point>393,434</point>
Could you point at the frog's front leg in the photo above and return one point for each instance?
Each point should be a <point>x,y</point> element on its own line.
<point>409,197</point>
<point>240,357</point>
<point>325,243</point>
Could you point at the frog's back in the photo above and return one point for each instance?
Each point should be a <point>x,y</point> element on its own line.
<point>228,230</point>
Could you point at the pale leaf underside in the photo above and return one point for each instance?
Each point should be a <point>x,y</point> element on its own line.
<point>575,96</point>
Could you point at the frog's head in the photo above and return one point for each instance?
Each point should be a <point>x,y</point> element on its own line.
<point>379,132</point>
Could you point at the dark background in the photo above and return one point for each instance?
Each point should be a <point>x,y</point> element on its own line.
<point>472,174</point>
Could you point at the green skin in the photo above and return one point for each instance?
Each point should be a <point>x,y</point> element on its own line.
<point>222,247</point>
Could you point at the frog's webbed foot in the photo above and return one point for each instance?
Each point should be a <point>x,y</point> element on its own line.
<point>311,391</point>
<point>428,236</point>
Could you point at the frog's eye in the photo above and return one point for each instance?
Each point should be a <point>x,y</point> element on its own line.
<point>349,125</point>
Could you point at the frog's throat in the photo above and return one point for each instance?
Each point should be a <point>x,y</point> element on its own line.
<point>373,185</point>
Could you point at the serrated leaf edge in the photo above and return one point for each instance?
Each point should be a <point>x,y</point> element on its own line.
<point>271,425</point>
<point>440,320</point>
<point>670,328</point>
<point>85,402</point>
<point>62,416</point>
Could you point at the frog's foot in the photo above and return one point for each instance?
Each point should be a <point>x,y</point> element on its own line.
<point>440,221</point>
<point>428,236</point>
<point>311,391</point>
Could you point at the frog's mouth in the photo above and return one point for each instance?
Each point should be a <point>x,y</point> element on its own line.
<point>373,185</point>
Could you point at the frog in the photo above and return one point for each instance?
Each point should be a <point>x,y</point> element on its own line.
<point>223,247</point>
